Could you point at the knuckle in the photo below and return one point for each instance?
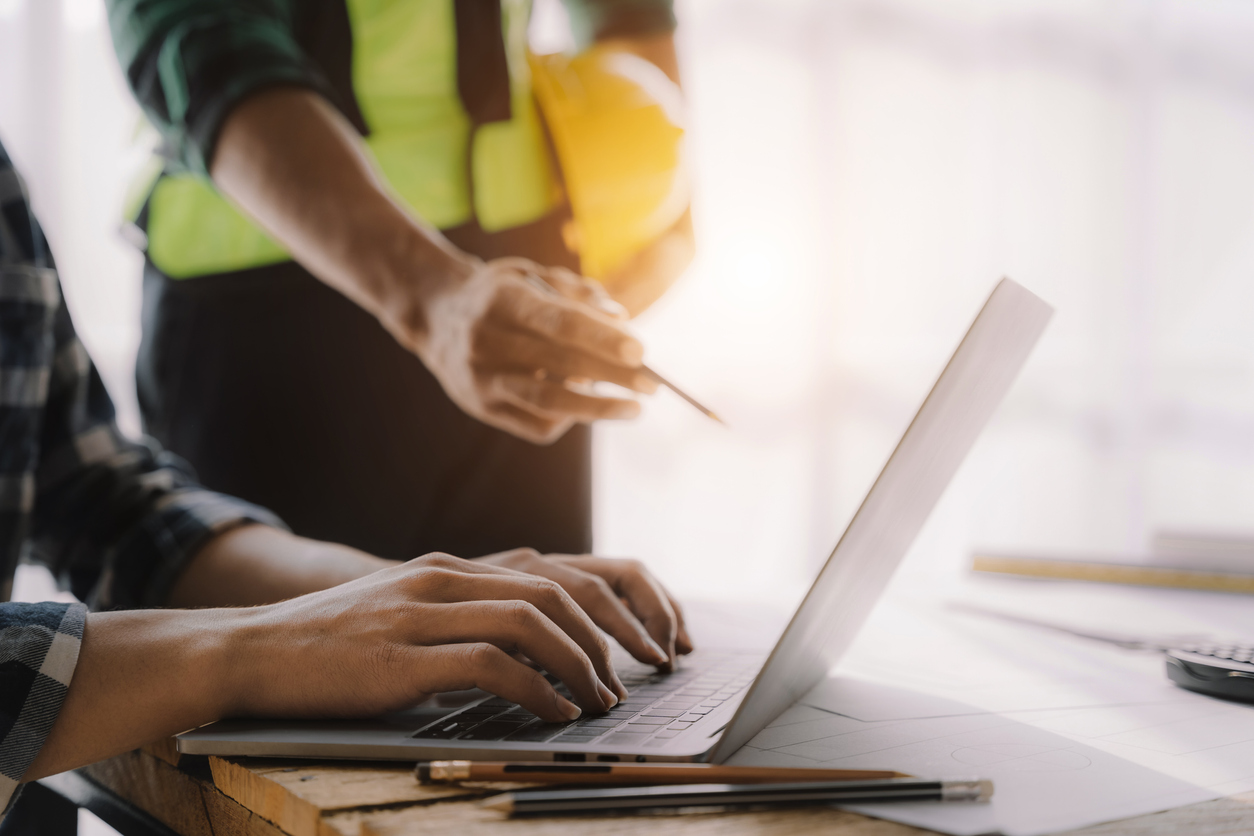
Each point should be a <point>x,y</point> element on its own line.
<point>632,566</point>
<point>551,589</point>
<point>594,585</point>
<point>436,578</point>
<point>385,658</point>
<point>521,614</point>
<point>527,559</point>
<point>440,559</point>
<point>550,592</point>
<point>480,656</point>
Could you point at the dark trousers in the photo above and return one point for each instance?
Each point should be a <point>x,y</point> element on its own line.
<point>279,390</point>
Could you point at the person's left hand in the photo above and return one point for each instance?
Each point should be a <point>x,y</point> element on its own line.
<point>620,596</point>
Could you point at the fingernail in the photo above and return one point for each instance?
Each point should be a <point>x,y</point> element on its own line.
<point>644,384</point>
<point>608,697</point>
<point>620,690</point>
<point>568,709</point>
<point>612,308</point>
<point>628,410</point>
<point>659,655</point>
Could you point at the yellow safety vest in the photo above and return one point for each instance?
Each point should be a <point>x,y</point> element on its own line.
<point>405,80</point>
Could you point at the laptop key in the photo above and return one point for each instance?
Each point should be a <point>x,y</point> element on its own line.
<point>537,732</point>
<point>648,721</point>
<point>624,738</point>
<point>662,712</point>
<point>582,733</point>
<point>447,729</point>
<point>491,730</point>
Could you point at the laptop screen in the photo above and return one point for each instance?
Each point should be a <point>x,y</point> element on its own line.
<point>953,414</point>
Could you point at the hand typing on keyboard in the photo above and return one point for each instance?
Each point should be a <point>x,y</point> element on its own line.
<point>620,596</point>
<point>660,707</point>
<point>436,623</point>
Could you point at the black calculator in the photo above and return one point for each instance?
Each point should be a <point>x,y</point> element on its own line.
<point>1222,670</point>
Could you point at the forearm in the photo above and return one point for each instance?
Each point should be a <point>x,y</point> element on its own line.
<point>293,163</point>
<point>141,676</point>
<point>257,564</point>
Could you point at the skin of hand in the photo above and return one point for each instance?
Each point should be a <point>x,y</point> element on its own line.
<point>621,596</point>
<point>521,359</point>
<point>382,642</point>
<point>504,352</point>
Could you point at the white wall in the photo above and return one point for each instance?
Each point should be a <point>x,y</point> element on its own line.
<point>867,170</point>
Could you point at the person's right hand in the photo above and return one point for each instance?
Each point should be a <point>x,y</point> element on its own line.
<point>517,357</point>
<point>437,623</point>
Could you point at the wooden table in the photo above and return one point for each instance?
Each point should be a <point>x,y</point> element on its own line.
<point>195,796</point>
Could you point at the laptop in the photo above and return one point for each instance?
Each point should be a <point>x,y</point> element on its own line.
<point>714,702</point>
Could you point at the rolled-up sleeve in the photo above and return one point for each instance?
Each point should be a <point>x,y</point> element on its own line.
<point>38,653</point>
<point>593,20</point>
<point>190,62</point>
<point>116,520</point>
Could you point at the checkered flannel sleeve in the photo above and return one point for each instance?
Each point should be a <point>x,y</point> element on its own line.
<point>38,651</point>
<point>116,520</point>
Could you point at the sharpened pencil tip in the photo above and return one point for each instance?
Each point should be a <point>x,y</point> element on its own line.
<point>503,803</point>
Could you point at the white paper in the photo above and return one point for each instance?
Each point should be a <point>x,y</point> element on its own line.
<point>1072,732</point>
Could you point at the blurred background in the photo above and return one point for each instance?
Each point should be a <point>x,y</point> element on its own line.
<point>866,170</point>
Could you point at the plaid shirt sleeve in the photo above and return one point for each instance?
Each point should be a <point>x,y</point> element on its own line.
<point>116,520</point>
<point>38,651</point>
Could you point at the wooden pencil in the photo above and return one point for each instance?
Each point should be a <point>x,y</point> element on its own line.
<point>633,773</point>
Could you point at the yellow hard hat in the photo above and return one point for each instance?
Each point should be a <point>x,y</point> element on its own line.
<point>614,118</point>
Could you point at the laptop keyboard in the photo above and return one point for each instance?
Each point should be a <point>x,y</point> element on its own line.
<point>1230,652</point>
<point>658,707</point>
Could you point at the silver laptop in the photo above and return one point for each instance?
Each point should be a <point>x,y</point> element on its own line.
<point>715,702</point>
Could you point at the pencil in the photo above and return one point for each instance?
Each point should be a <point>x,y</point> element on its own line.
<point>634,773</point>
<point>1112,573</point>
<point>727,796</point>
<point>709,413</point>
<point>544,287</point>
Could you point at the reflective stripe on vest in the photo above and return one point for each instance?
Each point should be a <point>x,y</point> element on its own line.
<point>405,80</point>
